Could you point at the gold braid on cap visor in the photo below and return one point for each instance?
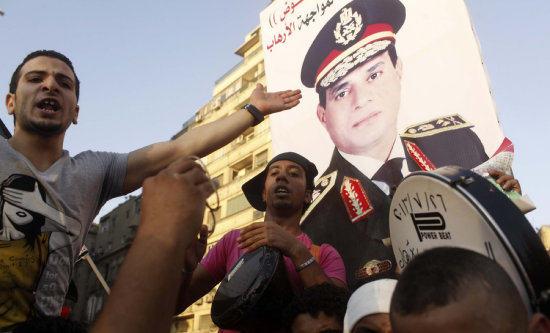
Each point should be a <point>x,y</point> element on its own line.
<point>353,56</point>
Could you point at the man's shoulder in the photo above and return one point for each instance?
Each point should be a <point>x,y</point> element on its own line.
<point>96,154</point>
<point>99,159</point>
<point>232,235</point>
<point>339,175</point>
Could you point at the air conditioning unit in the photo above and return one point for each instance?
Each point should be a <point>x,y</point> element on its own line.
<point>198,117</point>
<point>216,104</point>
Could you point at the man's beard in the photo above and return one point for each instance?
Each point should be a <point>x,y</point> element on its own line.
<point>282,204</point>
<point>41,127</point>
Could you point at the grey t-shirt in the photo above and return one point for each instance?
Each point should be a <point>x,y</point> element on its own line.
<point>44,218</point>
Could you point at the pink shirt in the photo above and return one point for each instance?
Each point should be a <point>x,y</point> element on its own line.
<point>219,260</point>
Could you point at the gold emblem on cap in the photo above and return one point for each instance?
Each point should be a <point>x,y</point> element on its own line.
<point>349,26</point>
<point>352,57</point>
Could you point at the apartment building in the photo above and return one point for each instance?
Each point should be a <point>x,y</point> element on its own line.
<point>107,243</point>
<point>231,165</point>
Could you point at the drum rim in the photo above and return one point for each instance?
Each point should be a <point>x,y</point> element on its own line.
<point>439,175</point>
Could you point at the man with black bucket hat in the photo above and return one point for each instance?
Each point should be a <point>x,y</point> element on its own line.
<point>283,190</point>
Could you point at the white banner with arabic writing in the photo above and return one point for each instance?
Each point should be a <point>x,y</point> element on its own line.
<point>443,71</point>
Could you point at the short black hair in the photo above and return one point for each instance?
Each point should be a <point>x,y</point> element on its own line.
<point>326,297</point>
<point>43,53</point>
<point>323,91</point>
<point>441,276</point>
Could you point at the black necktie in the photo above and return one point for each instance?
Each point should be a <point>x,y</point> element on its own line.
<point>390,173</point>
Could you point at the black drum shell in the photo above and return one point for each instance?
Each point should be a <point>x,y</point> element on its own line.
<point>255,291</point>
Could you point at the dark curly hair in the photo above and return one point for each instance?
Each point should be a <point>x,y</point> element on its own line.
<point>326,298</point>
<point>43,53</point>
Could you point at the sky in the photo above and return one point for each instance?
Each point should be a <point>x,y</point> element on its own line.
<point>146,67</point>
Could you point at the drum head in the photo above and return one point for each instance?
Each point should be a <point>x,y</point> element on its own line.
<point>256,290</point>
<point>455,207</point>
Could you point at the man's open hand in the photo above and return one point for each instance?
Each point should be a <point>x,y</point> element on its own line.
<point>273,102</point>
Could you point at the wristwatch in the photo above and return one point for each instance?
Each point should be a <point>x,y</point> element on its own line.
<point>258,116</point>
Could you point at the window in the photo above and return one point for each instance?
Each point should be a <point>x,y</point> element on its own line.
<point>205,322</point>
<point>237,204</point>
<point>183,325</point>
<point>241,168</point>
<point>260,159</point>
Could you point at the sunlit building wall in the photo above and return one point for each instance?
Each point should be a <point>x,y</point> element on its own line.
<point>231,165</point>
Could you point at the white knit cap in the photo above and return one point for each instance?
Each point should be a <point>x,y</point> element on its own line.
<point>370,298</point>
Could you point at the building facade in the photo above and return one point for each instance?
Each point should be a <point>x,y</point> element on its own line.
<point>544,234</point>
<point>107,243</point>
<point>231,165</point>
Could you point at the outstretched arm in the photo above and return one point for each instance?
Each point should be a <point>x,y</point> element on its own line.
<point>144,294</point>
<point>205,139</point>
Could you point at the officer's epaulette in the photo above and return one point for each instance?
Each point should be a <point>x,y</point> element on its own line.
<point>322,187</point>
<point>441,124</point>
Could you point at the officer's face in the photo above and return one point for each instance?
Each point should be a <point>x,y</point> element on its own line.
<point>361,109</point>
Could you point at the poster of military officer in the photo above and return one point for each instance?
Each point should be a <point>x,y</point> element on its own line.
<point>390,87</point>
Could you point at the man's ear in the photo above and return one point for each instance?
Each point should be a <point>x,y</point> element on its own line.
<point>539,323</point>
<point>322,115</point>
<point>399,68</point>
<point>10,103</point>
<point>308,196</point>
<point>264,196</point>
<point>75,116</point>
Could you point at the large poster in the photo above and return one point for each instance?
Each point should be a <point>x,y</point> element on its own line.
<point>389,87</point>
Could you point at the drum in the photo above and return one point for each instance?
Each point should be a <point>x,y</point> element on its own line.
<point>254,292</point>
<point>456,207</point>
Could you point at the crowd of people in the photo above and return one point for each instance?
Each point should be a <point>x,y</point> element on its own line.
<point>342,275</point>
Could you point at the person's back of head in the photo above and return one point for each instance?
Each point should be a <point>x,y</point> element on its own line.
<point>456,290</point>
<point>322,306</point>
